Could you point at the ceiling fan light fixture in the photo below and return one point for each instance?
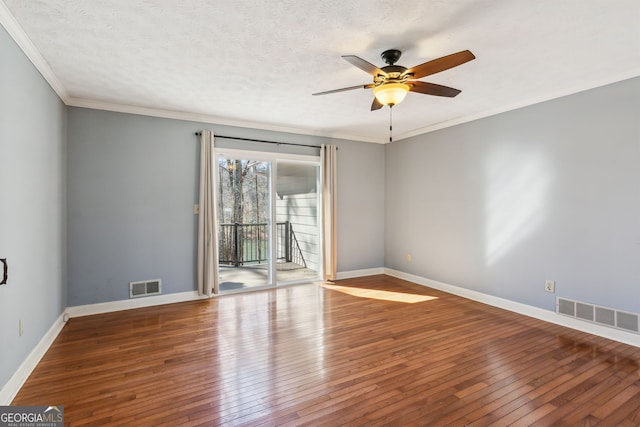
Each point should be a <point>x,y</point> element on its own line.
<point>391,93</point>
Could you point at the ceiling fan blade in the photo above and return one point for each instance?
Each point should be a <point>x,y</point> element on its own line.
<point>376,105</point>
<point>433,89</point>
<point>367,86</point>
<point>440,64</point>
<point>365,66</point>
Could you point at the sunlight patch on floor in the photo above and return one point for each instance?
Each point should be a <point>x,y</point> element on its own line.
<point>378,294</point>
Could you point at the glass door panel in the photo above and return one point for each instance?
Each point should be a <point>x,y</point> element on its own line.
<point>297,226</point>
<point>244,224</point>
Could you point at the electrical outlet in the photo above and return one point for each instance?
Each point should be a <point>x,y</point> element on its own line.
<point>550,286</point>
<point>196,209</point>
<point>408,257</point>
<point>20,327</point>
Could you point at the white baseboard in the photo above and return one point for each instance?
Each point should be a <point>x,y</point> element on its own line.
<point>527,310</point>
<point>359,273</point>
<point>12,387</point>
<point>108,307</point>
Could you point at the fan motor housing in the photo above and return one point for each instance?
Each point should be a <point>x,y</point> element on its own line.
<point>394,70</point>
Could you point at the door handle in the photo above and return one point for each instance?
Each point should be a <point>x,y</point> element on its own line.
<point>5,271</point>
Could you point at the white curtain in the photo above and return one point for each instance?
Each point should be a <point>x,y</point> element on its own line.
<point>328,161</point>
<point>207,219</point>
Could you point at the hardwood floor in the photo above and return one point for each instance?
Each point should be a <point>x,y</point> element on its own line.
<point>368,351</point>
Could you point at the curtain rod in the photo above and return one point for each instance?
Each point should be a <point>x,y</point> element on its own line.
<point>261,140</point>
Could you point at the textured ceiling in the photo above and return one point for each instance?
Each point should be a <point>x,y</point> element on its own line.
<point>256,63</point>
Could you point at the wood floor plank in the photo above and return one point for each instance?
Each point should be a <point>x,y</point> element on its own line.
<point>310,355</point>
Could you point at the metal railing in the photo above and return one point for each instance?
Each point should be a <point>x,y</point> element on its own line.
<point>240,244</point>
<point>288,249</point>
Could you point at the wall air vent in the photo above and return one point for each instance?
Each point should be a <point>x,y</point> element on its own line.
<point>623,320</point>
<point>145,288</point>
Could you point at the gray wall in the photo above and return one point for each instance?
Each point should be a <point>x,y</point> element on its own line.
<point>132,184</point>
<point>361,206</point>
<point>32,205</point>
<point>550,191</point>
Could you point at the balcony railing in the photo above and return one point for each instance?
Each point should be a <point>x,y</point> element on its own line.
<point>241,244</point>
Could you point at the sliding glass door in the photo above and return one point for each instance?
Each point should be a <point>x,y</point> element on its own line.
<point>268,230</point>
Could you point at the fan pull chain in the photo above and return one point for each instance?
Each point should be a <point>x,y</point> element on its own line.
<point>390,123</point>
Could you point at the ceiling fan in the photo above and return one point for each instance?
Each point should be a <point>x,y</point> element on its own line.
<point>392,82</point>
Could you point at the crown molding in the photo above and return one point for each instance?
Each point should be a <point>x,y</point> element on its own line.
<point>101,105</point>
<point>531,101</point>
<point>205,118</point>
<point>16,32</point>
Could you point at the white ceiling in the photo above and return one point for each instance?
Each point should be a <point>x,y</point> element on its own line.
<point>256,63</point>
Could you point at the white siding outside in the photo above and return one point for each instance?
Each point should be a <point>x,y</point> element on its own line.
<point>301,210</point>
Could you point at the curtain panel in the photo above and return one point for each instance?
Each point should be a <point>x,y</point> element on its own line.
<point>207,219</point>
<point>328,163</point>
